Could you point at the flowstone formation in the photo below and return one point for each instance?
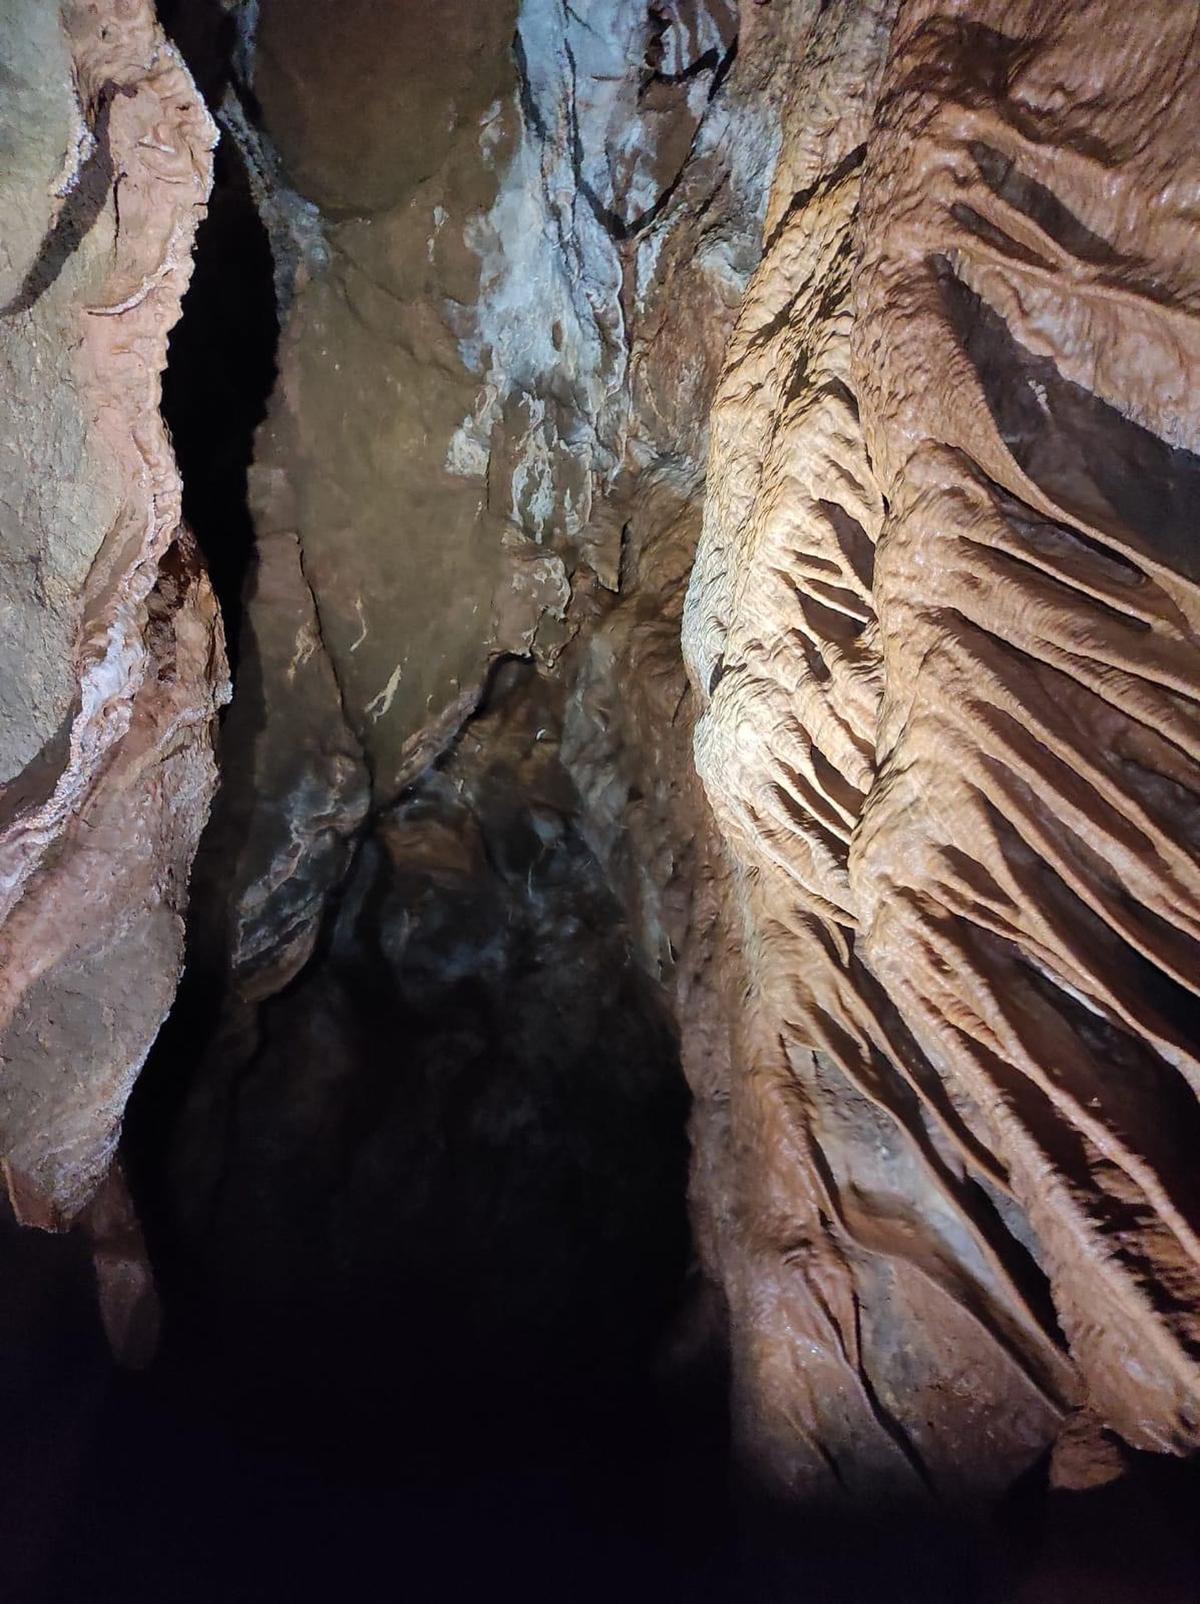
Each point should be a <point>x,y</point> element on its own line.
<point>943,620</point>
<point>112,659</point>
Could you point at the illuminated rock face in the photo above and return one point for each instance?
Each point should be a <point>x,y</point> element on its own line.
<point>1034,917</point>
<point>943,621</point>
<point>901,937</point>
<point>723,600</point>
<point>112,659</point>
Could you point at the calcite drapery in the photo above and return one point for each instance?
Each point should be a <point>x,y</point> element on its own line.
<point>1028,863</point>
<point>943,616</point>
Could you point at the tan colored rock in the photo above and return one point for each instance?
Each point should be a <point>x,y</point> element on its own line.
<point>942,619</point>
<point>366,98</point>
<point>114,659</point>
<point>878,1323</point>
<point>1027,861</point>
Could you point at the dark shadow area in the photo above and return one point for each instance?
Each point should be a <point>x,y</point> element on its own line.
<point>419,1221</point>
<point>221,357</point>
<point>139,1488</point>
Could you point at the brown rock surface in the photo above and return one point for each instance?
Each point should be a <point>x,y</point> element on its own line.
<point>722,599</point>
<point>113,658</point>
<point>478,449</point>
<point>943,620</point>
<point>1027,858</point>
<point>459,370</point>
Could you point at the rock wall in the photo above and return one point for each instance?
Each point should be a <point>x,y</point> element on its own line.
<point>942,621</point>
<point>722,599</point>
<point>1045,496</point>
<point>462,719</point>
<point>520,396</point>
<point>112,660</point>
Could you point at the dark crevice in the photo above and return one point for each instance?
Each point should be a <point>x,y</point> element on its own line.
<point>983,228</point>
<point>220,373</point>
<point>710,61</point>
<point>529,110</point>
<point>1116,477</point>
<point>853,541</point>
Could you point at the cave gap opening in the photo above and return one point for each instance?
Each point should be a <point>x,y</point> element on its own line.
<point>424,1252</point>
<point>221,356</point>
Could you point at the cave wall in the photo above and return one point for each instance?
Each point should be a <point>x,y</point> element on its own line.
<point>722,599</point>
<point>1053,502</point>
<point>489,443</point>
<point>112,663</point>
<point>449,893</point>
<point>487,349</point>
<point>942,621</point>
<point>471,437</point>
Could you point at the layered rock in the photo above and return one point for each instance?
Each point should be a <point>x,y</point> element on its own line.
<point>113,660</point>
<point>942,623</point>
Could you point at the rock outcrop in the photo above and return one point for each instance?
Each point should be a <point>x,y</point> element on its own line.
<point>112,661</point>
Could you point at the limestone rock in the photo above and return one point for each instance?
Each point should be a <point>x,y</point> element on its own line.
<point>1027,876</point>
<point>113,653</point>
<point>942,624</point>
<point>723,600</point>
<point>454,406</point>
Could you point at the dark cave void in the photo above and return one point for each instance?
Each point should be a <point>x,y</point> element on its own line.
<point>221,356</point>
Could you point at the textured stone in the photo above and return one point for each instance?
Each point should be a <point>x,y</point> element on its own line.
<point>723,598</point>
<point>114,658</point>
<point>456,399</point>
<point>1036,588</point>
<point>940,621</point>
<point>486,442</point>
